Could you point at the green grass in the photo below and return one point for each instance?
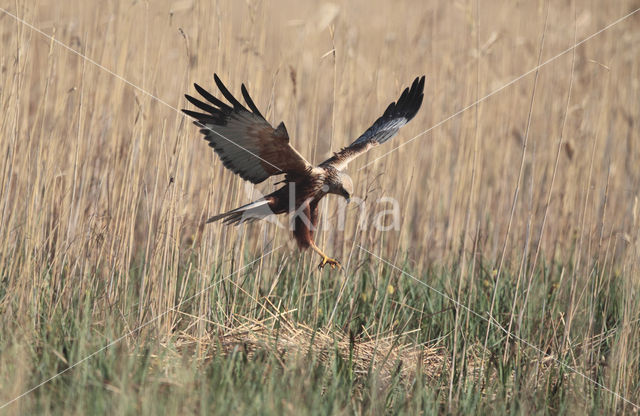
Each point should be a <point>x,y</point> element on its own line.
<point>172,371</point>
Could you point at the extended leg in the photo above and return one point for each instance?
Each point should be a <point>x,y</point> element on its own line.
<point>325,259</point>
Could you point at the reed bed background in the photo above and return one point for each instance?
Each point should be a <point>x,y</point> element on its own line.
<point>523,208</point>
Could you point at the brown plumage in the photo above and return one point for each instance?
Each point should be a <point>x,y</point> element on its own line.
<point>250,147</point>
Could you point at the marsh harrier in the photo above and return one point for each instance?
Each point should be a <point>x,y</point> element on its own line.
<point>250,147</point>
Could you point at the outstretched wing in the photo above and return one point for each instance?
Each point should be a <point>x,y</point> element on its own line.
<point>395,116</point>
<point>246,143</point>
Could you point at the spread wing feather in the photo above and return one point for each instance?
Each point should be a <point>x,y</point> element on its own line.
<point>245,142</point>
<point>384,128</point>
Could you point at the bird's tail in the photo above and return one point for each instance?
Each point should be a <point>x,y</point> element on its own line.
<point>247,213</point>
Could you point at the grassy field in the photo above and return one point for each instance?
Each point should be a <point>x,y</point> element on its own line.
<point>510,286</point>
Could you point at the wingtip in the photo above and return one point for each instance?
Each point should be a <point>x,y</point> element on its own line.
<point>198,87</point>
<point>249,100</point>
<point>193,114</point>
<point>217,79</point>
<point>418,83</point>
<point>245,93</point>
<point>413,99</point>
<point>227,94</point>
<point>200,90</point>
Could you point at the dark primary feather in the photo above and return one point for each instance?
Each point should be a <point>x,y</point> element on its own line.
<point>384,128</point>
<point>396,115</point>
<point>249,101</point>
<point>236,104</point>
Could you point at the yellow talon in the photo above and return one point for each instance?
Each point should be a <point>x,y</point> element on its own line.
<point>331,262</point>
<point>325,259</point>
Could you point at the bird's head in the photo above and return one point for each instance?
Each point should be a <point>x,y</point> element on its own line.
<point>345,186</point>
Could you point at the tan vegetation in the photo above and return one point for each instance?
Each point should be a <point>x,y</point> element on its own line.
<point>527,202</point>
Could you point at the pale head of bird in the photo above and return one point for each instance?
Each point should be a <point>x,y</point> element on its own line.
<point>341,184</point>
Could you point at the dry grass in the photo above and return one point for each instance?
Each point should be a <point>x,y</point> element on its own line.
<point>291,341</point>
<point>104,185</point>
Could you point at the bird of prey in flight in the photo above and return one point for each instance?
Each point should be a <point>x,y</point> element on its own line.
<point>250,147</point>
